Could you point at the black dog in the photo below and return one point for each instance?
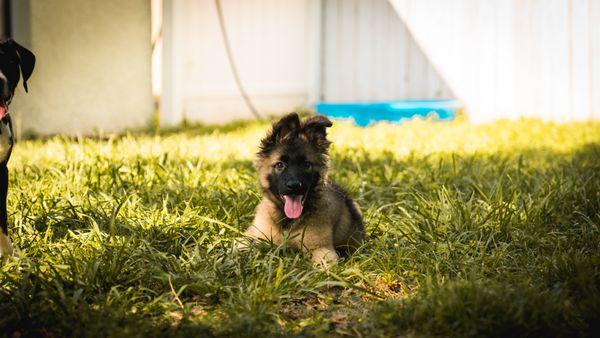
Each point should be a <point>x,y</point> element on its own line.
<point>14,61</point>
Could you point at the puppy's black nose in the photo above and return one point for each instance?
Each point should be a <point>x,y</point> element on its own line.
<point>294,184</point>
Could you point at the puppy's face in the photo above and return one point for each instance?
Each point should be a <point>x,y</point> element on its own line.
<point>14,61</point>
<point>293,161</point>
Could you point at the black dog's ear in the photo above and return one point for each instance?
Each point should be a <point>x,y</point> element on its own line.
<point>26,61</point>
<point>315,128</point>
<point>283,130</point>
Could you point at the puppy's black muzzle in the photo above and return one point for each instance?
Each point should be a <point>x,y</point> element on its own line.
<point>294,181</point>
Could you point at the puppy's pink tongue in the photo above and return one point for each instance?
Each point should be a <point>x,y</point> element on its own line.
<point>2,111</point>
<point>293,205</point>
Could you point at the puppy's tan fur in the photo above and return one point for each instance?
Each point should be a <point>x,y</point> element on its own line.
<point>332,221</point>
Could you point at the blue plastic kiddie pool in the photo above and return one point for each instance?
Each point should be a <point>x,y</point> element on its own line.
<point>364,114</point>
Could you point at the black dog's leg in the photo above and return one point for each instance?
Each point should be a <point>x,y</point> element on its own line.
<point>5,245</point>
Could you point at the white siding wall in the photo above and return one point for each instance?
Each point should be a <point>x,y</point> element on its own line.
<point>274,43</point>
<point>512,58</point>
<point>290,54</point>
<point>370,55</point>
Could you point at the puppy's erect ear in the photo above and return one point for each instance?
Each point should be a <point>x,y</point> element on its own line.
<point>287,127</point>
<point>317,124</point>
<point>26,61</point>
<point>315,129</point>
<point>283,130</point>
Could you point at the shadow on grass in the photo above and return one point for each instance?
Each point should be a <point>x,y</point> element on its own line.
<point>483,245</point>
<point>36,309</point>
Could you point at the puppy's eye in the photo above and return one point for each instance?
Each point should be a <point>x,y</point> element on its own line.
<point>307,165</point>
<point>279,166</point>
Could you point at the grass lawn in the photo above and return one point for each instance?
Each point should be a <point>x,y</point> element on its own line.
<point>489,230</point>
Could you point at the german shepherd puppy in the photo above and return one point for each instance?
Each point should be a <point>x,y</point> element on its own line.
<point>300,205</point>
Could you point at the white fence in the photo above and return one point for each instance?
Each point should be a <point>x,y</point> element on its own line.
<point>501,58</point>
<point>274,45</point>
<point>512,58</point>
<point>290,54</point>
<point>368,54</point>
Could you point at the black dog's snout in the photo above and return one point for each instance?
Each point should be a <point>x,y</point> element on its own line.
<point>294,184</point>
<point>4,89</point>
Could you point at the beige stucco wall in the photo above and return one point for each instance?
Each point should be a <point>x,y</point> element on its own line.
<point>93,68</point>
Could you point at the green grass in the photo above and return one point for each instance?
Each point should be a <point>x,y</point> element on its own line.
<point>488,230</point>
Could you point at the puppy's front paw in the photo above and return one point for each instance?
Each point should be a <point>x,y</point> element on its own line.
<point>324,257</point>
